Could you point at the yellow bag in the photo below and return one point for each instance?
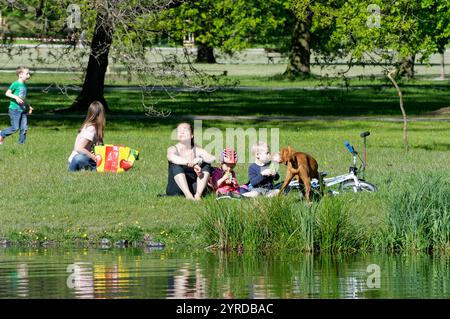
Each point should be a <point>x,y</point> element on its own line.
<point>115,158</point>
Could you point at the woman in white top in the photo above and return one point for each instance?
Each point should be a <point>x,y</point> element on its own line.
<point>189,165</point>
<point>90,134</point>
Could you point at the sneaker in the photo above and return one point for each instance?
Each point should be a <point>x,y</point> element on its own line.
<point>234,195</point>
<point>228,195</point>
<point>223,197</point>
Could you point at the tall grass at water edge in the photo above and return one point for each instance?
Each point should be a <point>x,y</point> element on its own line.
<point>411,215</point>
<point>418,215</point>
<point>281,223</point>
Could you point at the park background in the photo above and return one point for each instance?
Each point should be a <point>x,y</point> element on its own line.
<point>321,71</point>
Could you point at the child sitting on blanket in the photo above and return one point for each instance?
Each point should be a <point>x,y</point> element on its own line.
<point>262,173</point>
<point>223,178</point>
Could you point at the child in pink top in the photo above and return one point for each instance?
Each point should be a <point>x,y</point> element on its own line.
<point>224,178</point>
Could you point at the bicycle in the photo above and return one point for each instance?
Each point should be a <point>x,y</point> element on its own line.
<point>349,182</point>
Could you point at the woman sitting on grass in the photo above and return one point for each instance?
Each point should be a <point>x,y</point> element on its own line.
<point>90,134</point>
<point>189,166</point>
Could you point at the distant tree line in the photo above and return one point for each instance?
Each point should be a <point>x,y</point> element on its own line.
<point>356,31</point>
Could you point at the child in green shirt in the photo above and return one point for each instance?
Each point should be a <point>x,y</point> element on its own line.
<point>18,107</point>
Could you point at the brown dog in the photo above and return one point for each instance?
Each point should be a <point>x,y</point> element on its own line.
<point>300,165</point>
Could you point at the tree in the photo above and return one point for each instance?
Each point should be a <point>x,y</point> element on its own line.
<point>228,25</point>
<point>386,33</point>
<point>300,55</point>
<point>314,24</point>
<point>433,19</point>
<point>437,22</point>
<point>94,81</point>
<point>123,22</point>
<point>118,29</point>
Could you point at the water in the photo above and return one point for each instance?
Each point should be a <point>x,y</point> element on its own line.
<point>160,274</point>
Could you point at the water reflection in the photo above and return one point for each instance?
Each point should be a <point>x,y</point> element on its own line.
<point>20,280</point>
<point>187,283</point>
<point>134,273</point>
<point>81,279</point>
<point>99,280</point>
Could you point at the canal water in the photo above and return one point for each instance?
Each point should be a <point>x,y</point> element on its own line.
<point>160,274</point>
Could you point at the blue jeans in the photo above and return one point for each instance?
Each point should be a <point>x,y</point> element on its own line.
<point>19,121</point>
<point>81,161</point>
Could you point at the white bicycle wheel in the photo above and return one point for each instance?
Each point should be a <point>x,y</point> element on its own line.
<point>350,186</point>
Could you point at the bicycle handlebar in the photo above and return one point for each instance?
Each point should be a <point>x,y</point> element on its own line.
<point>350,148</point>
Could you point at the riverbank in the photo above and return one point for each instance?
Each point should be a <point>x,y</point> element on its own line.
<point>42,203</point>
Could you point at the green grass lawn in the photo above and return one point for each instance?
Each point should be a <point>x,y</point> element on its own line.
<point>248,75</point>
<point>263,101</point>
<point>41,201</point>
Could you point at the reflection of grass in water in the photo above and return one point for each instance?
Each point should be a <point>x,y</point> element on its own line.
<point>288,275</point>
<point>253,275</point>
<point>248,275</point>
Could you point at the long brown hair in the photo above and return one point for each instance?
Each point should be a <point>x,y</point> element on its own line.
<point>96,117</point>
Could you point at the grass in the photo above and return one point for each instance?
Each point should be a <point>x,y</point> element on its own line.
<point>418,214</point>
<point>265,96</point>
<point>412,216</point>
<point>245,75</point>
<point>42,202</point>
<point>280,224</point>
<point>264,102</point>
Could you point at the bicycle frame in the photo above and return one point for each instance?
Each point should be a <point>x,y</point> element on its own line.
<point>352,175</point>
<point>340,179</point>
<point>331,181</point>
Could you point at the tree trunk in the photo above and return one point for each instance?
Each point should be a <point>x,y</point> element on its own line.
<point>406,67</point>
<point>442,64</point>
<point>40,9</point>
<point>205,54</point>
<point>94,81</point>
<point>405,119</point>
<point>299,58</point>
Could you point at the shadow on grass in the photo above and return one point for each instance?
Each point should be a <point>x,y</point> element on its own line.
<point>433,147</point>
<point>118,123</point>
<point>265,102</point>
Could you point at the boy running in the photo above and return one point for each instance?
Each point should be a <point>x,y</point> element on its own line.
<point>17,93</point>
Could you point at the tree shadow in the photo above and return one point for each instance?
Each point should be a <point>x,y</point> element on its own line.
<point>264,102</point>
<point>433,147</point>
